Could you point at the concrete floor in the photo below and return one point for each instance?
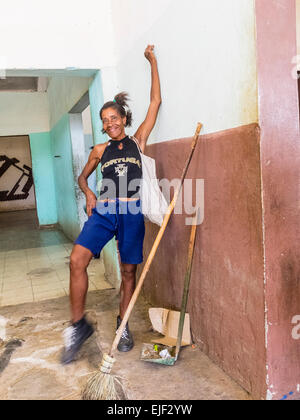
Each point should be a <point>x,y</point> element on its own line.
<point>31,341</point>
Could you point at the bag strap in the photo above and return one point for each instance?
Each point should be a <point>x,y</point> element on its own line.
<point>137,143</point>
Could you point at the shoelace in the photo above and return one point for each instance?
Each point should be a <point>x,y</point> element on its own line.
<point>69,336</point>
<point>125,334</point>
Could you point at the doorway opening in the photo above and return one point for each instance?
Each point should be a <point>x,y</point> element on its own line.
<point>16,181</point>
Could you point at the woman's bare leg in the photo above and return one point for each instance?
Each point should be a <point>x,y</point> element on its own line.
<point>79,261</point>
<point>128,272</point>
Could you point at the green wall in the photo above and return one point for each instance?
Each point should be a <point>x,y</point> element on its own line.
<point>54,176</point>
<point>43,174</point>
<point>55,183</point>
<point>64,178</point>
<point>96,103</point>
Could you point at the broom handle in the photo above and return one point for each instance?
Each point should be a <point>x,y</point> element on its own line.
<point>154,247</point>
<point>187,280</point>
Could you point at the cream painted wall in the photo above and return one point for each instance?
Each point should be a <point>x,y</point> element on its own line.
<point>86,121</point>
<point>23,113</point>
<point>207,60</point>
<point>56,34</point>
<point>26,113</point>
<point>63,94</point>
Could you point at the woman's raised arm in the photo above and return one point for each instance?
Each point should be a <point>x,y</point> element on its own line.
<point>146,127</point>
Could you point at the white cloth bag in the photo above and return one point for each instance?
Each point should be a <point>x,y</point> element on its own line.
<point>154,204</point>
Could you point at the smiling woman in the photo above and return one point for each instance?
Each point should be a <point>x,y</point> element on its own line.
<point>117,213</point>
<point>114,115</point>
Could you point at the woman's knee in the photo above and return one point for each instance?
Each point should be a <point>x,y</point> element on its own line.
<point>128,271</point>
<point>79,260</point>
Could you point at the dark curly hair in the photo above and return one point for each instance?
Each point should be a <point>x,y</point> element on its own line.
<point>119,104</point>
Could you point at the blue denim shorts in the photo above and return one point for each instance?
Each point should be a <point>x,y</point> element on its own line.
<point>120,219</point>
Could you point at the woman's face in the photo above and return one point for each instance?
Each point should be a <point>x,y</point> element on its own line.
<point>113,124</point>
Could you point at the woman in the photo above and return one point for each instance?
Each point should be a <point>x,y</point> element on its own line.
<point>116,213</point>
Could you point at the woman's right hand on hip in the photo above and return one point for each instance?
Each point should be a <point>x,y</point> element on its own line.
<point>91,202</point>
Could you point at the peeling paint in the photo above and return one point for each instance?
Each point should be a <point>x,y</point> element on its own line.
<point>270,395</point>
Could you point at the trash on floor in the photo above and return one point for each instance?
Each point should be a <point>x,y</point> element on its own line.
<point>163,349</point>
<point>166,322</point>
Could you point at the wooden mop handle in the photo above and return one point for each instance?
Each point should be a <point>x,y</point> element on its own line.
<point>155,246</point>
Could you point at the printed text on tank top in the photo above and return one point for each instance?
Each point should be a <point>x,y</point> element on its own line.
<point>121,165</point>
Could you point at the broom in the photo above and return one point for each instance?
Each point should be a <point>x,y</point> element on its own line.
<point>102,385</point>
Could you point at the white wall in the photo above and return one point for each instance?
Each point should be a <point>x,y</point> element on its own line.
<point>23,113</point>
<point>56,34</point>
<point>206,52</point>
<point>207,60</point>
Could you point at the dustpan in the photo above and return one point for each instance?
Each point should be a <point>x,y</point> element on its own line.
<point>158,353</point>
<point>165,351</point>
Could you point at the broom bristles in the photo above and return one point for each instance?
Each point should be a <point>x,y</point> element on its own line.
<point>102,385</point>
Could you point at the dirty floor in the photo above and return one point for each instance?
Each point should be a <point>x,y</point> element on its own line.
<point>30,352</point>
<point>31,329</point>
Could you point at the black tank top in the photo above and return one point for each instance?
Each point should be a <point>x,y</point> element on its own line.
<point>121,169</point>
